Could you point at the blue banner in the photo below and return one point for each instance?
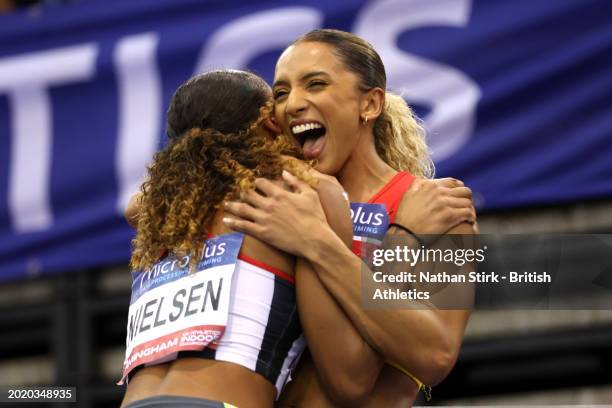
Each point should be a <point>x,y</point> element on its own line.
<point>515,95</point>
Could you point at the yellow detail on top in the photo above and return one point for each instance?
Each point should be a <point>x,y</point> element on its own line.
<point>422,386</point>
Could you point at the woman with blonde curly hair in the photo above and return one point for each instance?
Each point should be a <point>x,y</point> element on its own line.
<point>330,95</point>
<point>221,138</point>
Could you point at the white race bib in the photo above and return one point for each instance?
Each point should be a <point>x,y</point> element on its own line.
<point>172,310</point>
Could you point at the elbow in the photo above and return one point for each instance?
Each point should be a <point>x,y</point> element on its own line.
<point>129,216</point>
<point>351,390</point>
<point>132,210</point>
<point>443,363</point>
<point>439,364</point>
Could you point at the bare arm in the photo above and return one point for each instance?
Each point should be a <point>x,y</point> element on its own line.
<point>416,335</point>
<point>346,363</point>
<point>132,209</point>
<point>423,341</point>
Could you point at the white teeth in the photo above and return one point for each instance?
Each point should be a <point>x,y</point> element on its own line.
<point>307,126</point>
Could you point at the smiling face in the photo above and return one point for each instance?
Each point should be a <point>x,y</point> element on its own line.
<point>318,101</point>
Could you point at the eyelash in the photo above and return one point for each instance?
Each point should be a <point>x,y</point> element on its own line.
<point>280,94</point>
<point>316,83</point>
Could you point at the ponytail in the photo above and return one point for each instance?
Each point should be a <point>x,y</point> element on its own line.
<point>400,138</point>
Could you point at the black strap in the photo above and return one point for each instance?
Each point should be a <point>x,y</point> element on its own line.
<point>406,229</point>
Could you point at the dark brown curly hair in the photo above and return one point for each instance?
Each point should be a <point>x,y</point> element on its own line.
<point>215,152</point>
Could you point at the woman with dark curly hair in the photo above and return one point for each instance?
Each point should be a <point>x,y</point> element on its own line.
<point>213,316</point>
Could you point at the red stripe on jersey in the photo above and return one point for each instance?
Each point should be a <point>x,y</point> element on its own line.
<point>264,266</point>
<point>391,193</point>
<point>271,269</point>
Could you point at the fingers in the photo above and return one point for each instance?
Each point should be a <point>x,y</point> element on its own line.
<point>267,187</point>
<point>459,202</point>
<point>435,185</point>
<point>244,226</point>
<point>242,210</point>
<point>254,199</point>
<point>451,217</point>
<point>323,177</point>
<point>461,192</point>
<point>448,182</point>
<point>295,183</point>
<point>461,198</point>
<point>465,215</point>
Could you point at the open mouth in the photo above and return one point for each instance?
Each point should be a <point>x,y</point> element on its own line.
<point>311,136</point>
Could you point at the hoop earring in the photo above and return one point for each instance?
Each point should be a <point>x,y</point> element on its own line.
<point>365,121</point>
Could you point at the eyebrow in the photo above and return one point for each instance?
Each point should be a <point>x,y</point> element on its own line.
<point>304,78</point>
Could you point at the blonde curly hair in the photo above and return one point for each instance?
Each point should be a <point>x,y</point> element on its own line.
<point>399,137</point>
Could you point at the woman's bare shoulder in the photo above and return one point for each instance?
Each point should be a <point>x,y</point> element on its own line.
<point>257,249</point>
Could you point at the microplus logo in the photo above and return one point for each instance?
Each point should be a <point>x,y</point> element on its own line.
<point>167,265</point>
<point>363,215</point>
<point>179,265</point>
<point>214,250</point>
<point>369,220</point>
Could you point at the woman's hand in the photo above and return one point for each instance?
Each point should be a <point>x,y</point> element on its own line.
<point>286,219</point>
<point>436,206</point>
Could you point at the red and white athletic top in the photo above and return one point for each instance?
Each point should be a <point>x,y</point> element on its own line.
<point>263,332</point>
<point>371,219</point>
<point>370,224</point>
<point>391,194</point>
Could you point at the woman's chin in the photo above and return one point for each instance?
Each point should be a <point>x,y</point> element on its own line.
<point>326,166</point>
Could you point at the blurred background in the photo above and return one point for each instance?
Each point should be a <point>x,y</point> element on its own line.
<point>516,96</point>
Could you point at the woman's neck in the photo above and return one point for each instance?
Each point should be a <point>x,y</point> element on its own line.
<point>364,173</point>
